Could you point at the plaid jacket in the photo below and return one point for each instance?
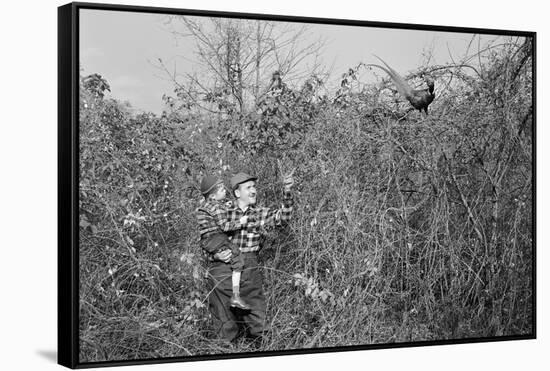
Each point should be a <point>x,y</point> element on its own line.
<point>214,218</point>
<point>248,237</point>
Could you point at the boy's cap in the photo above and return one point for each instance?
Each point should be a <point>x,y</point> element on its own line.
<point>241,178</point>
<point>208,183</point>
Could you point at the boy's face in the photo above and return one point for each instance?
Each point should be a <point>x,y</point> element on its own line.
<point>220,193</point>
<point>246,192</point>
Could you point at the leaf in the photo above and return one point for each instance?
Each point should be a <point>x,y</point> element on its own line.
<point>197,303</point>
<point>196,273</point>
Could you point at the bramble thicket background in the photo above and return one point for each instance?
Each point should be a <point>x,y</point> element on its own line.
<point>406,227</point>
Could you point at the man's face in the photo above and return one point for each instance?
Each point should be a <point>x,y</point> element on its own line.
<point>246,193</point>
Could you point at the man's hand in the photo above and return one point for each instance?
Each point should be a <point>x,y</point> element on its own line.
<point>288,180</point>
<point>223,256</point>
<point>243,220</point>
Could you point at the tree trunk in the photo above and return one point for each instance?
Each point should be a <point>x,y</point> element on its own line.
<point>258,56</point>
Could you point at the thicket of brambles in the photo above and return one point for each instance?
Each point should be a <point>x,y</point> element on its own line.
<point>406,227</point>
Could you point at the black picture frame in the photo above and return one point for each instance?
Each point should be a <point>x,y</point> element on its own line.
<point>68,182</point>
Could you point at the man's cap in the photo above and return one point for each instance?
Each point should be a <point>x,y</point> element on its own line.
<point>241,178</point>
<point>208,183</point>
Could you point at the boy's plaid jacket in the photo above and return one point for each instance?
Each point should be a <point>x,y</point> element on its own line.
<point>214,217</point>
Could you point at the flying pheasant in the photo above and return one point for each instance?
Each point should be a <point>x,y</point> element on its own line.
<point>419,99</point>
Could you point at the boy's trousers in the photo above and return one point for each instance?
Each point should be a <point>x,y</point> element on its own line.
<point>219,242</point>
<point>226,322</point>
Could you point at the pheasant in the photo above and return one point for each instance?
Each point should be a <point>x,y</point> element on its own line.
<point>419,99</point>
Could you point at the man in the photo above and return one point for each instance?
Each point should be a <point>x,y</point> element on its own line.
<point>226,321</point>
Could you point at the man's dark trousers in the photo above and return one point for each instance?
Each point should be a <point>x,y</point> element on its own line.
<point>227,322</point>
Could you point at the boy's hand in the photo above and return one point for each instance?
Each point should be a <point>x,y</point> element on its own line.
<point>223,256</point>
<point>243,220</point>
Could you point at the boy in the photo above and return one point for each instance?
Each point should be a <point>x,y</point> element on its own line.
<point>214,223</point>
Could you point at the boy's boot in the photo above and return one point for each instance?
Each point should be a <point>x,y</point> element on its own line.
<point>237,302</point>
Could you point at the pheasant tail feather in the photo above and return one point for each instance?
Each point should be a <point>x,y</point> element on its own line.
<point>402,86</point>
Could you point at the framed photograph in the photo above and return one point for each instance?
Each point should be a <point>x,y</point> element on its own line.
<point>234,185</point>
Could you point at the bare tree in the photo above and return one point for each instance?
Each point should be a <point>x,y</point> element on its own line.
<point>236,59</point>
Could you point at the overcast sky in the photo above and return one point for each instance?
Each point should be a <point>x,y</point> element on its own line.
<point>124,48</point>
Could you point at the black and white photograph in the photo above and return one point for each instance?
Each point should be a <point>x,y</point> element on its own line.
<point>250,185</point>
